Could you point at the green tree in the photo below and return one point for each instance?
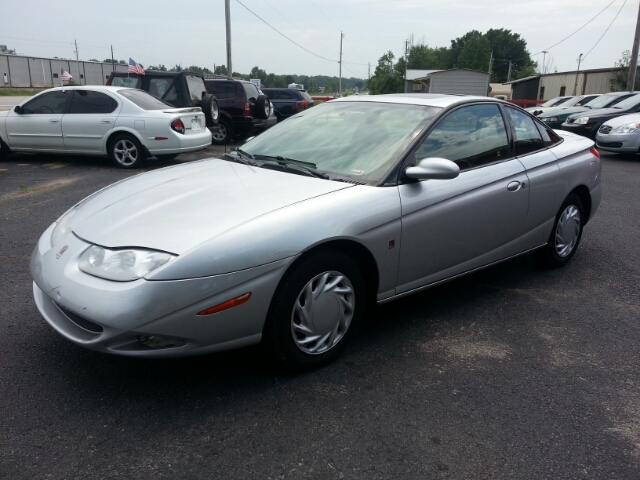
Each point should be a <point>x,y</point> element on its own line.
<point>386,79</point>
<point>159,67</point>
<point>508,46</point>
<point>258,73</point>
<point>619,77</point>
<point>475,53</point>
<point>220,70</point>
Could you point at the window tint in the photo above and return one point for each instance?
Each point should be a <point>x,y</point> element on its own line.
<point>470,136</point>
<point>50,102</point>
<point>222,90</point>
<point>197,88</point>
<point>287,95</point>
<point>549,137</point>
<point>129,82</point>
<point>163,88</point>
<point>251,91</point>
<point>144,100</point>
<point>88,101</point>
<point>526,136</point>
<point>628,102</point>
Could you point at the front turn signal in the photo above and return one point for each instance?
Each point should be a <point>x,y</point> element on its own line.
<point>234,302</point>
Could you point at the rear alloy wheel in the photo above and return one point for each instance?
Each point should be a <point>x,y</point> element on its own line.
<point>565,236</point>
<point>315,311</point>
<point>222,134</point>
<point>126,152</point>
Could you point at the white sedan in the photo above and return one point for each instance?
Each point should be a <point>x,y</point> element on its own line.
<point>126,124</point>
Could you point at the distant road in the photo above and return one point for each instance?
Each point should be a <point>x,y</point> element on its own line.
<point>7,103</point>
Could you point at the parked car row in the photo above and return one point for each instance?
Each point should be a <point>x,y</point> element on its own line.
<point>126,124</point>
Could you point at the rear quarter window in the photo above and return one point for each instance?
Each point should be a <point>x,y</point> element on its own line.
<point>129,82</point>
<point>251,91</point>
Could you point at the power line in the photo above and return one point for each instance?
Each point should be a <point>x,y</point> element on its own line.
<point>566,38</point>
<point>322,13</point>
<point>282,15</point>
<point>614,19</point>
<point>279,32</point>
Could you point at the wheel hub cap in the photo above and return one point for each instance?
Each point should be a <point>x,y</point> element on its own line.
<point>567,231</point>
<point>322,312</point>
<point>125,152</point>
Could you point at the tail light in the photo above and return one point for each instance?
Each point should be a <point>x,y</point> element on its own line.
<point>595,152</point>
<point>247,110</point>
<point>305,104</point>
<point>297,107</point>
<point>178,126</point>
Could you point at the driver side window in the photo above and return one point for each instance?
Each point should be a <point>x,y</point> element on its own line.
<point>470,136</point>
<point>47,103</point>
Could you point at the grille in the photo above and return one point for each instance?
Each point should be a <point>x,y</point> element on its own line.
<point>81,321</point>
<point>609,144</point>
<point>605,129</point>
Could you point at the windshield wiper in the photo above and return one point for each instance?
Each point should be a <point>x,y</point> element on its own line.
<point>307,167</point>
<point>240,157</point>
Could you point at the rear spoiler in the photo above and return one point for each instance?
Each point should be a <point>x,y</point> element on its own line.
<point>184,110</point>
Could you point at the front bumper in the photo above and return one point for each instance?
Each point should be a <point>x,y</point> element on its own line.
<point>112,316</point>
<point>619,142</point>
<point>586,130</point>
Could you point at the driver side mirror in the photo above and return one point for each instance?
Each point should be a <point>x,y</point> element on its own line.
<point>17,109</point>
<point>433,169</point>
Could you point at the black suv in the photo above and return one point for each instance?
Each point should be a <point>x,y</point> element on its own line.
<point>244,110</point>
<point>180,89</point>
<point>288,101</point>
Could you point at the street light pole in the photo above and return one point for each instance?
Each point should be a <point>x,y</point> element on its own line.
<point>340,80</point>
<point>227,16</point>
<point>544,58</point>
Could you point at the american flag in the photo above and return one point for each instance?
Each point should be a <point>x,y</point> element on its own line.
<point>65,76</point>
<point>135,68</point>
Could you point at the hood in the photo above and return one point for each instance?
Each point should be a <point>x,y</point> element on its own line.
<point>602,112</point>
<point>177,208</point>
<point>553,111</point>
<point>623,120</point>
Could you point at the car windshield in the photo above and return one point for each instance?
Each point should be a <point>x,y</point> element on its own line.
<point>143,100</point>
<point>356,141</point>
<point>604,101</point>
<point>306,96</point>
<point>628,102</point>
<point>554,102</point>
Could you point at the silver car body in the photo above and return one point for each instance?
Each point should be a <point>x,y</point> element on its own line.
<point>610,139</point>
<point>90,133</point>
<point>235,228</point>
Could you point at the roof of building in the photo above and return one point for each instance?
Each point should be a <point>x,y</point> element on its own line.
<point>525,79</point>
<point>419,74</point>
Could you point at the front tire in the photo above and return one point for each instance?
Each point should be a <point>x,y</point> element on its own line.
<point>223,135</point>
<point>315,311</point>
<point>126,152</point>
<point>565,235</point>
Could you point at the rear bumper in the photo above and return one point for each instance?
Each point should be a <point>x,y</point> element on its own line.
<point>180,143</point>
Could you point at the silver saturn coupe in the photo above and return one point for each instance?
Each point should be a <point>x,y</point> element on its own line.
<point>285,240</point>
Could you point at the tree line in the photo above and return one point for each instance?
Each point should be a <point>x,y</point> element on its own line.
<point>505,50</point>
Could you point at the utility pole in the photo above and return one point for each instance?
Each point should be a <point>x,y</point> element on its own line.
<point>544,57</point>
<point>227,16</point>
<point>509,72</point>
<point>339,81</point>
<point>633,62</point>
<point>490,65</point>
<point>113,63</point>
<point>369,70</point>
<point>77,63</point>
<point>575,87</point>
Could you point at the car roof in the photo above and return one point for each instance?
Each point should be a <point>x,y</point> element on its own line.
<point>107,88</point>
<point>440,100</point>
<point>156,73</point>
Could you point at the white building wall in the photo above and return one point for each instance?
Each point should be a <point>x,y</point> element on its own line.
<point>460,82</point>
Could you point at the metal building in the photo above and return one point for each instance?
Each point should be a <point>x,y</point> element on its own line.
<point>456,80</point>
<point>20,71</point>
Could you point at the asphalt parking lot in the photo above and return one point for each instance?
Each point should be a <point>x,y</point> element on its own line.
<point>510,373</point>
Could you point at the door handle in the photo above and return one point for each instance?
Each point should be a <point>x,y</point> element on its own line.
<point>106,121</point>
<point>53,120</point>
<point>515,186</point>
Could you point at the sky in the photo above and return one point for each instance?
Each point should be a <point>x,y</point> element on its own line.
<point>192,32</point>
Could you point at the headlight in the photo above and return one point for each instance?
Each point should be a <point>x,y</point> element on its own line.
<point>550,119</point>
<point>121,265</point>
<point>581,120</point>
<point>63,226</point>
<point>628,128</point>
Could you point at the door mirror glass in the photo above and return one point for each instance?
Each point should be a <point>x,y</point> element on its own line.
<point>433,169</point>
<point>18,109</point>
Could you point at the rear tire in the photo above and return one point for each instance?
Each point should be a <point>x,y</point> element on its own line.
<point>223,135</point>
<point>565,235</point>
<point>262,107</point>
<point>315,311</point>
<point>126,152</point>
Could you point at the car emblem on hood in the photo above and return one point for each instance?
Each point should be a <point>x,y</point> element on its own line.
<point>62,250</point>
